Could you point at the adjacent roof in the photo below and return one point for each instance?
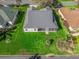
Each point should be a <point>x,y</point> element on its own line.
<point>27,2</point>
<point>7,14</point>
<point>40,19</point>
<point>69,3</point>
<point>71,16</point>
<point>9,2</point>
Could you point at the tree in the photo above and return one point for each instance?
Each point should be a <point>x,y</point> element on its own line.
<point>78,2</point>
<point>57,3</point>
<point>6,33</point>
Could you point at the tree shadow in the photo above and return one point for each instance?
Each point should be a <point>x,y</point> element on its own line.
<point>20,17</point>
<point>57,18</point>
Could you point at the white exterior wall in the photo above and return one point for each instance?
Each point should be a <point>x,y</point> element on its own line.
<point>71,29</point>
<point>33,5</point>
<point>75,31</point>
<point>30,30</point>
<point>75,34</point>
<point>47,31</point>
<point>1,26</point>
<point>61,14</point>
<point>10,23</point>
<point>5,5</point>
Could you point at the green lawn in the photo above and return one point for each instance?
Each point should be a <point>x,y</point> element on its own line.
<point>66,0</point>
<point>32,42</point>
<point>77,46</point>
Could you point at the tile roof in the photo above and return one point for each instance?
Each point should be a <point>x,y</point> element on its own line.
<point>71,16</point>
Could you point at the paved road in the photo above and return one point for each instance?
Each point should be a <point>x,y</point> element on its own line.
<point>27,57</point>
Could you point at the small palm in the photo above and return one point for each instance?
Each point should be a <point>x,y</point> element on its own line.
<point>6,32</point>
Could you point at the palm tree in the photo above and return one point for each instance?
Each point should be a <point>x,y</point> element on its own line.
<point>6,33</point>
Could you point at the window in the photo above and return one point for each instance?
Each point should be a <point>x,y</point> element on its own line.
<point>41,29</point>
<point>51,29</point>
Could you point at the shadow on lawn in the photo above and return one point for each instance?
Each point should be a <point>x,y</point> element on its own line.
<point>20,17</point>
<point>57,19</point>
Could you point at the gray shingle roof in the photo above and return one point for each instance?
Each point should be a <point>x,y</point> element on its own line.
<point>40,19</point>
<point>9,11</point>
<point>27,2</point>
<point>9,2</point>
<point>1,20</point>
<point>7,14</point>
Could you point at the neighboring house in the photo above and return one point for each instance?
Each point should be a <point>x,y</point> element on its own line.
<point>14,2</point>
<point>68,3</point>
<point>40,21</point>
<point>71,18</point>
<point>7,16</point>
<point>7,2</point>
<point>21,2</point>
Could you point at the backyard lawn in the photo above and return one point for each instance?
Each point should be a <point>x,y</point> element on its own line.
<point>77,46</point>
<point>31,43</point>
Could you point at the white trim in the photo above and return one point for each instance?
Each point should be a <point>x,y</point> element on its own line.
<point>30,30</point>
<point>5,5</point>
<point>10,22</point>
<point>34,6</point>
<point>1,26</point>
<point>61,14</point>
<point>71,29</point>
<point>14,18</point>
<point>75,34</point>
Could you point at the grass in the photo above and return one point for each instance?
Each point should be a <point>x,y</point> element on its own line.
<point>67,0</point>
<point>72,7</point>
<point>77,46</point>
<point>31,42</point>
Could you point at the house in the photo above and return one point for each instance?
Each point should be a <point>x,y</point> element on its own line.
<point>40,21</point>
<point>21,2</point>
<point>71,19</point>
<point>14,2</point>
<point>68,3</point>
<point>7,2</point>
<point>7,16</point>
